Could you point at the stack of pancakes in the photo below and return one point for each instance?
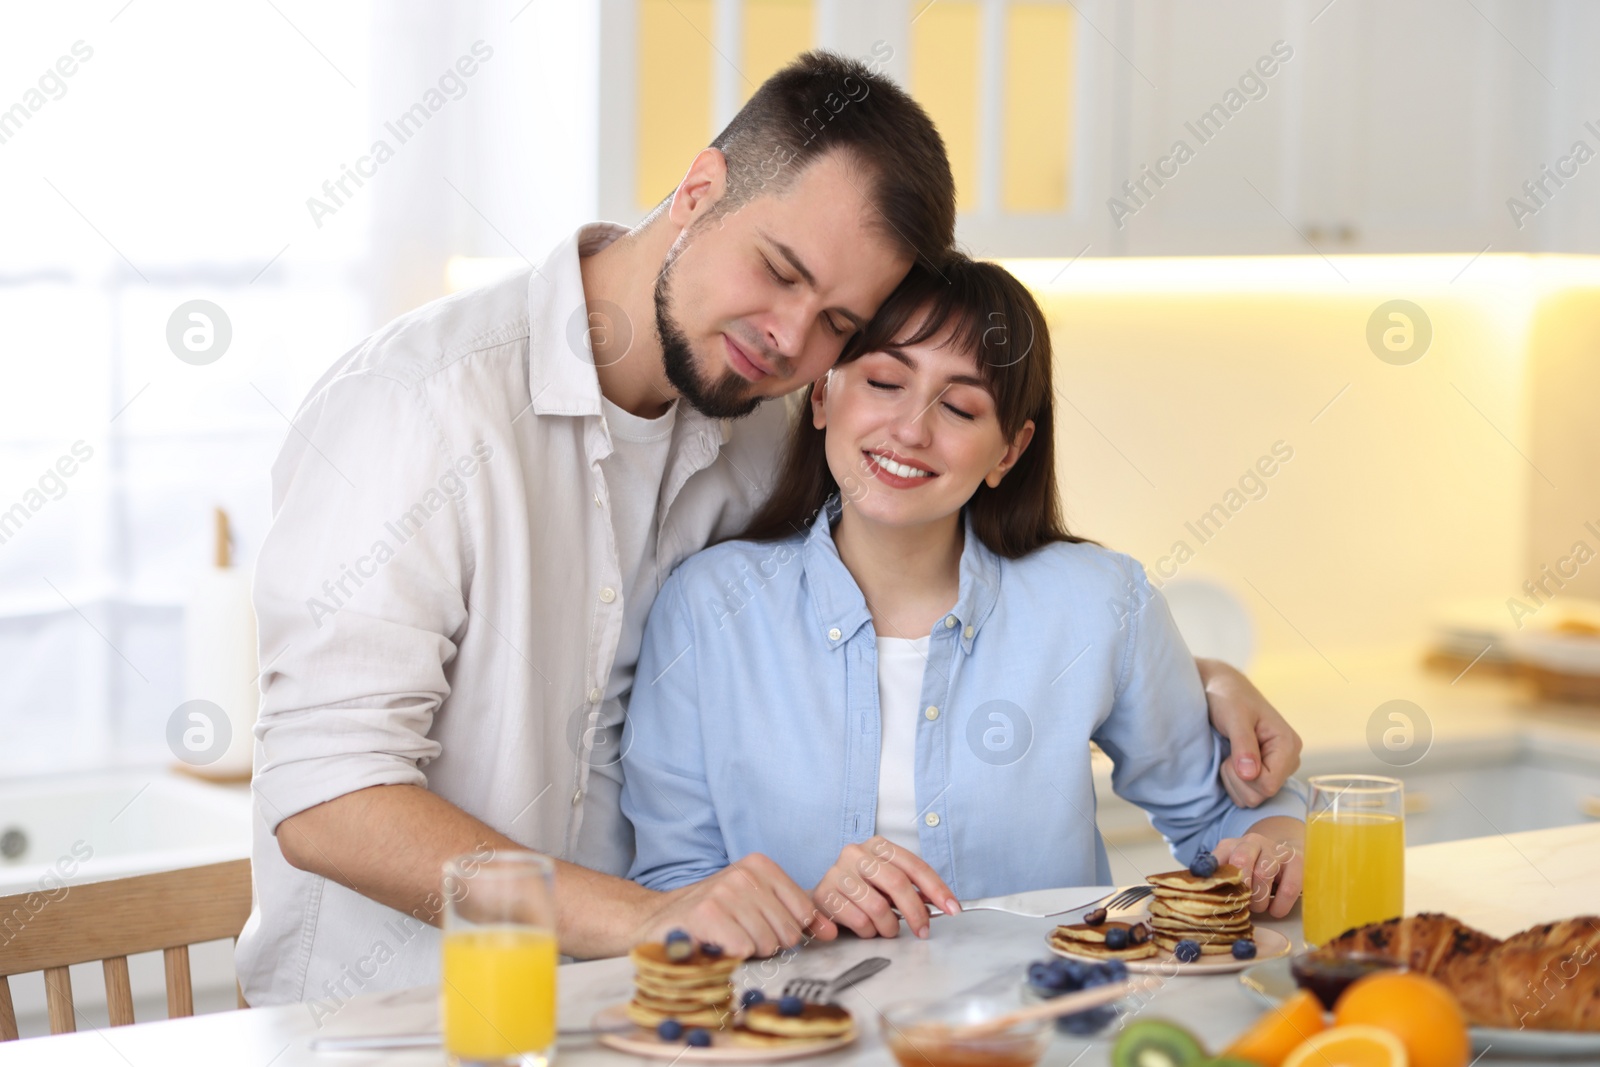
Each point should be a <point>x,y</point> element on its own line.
<point>1081,939</point>
<point>1213,911</point>
<point>764,1026</point>
<point>695,991</point>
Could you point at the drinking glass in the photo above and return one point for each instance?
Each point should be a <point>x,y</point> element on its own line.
<point>1355,854</point>
<point>497,982</point>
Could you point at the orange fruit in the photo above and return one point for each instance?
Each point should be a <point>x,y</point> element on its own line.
<point>1276,1033</point>
<point>1423,1014</point>
<point>1350,1046</point>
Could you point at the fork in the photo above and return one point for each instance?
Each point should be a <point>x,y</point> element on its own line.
<point>1030,906</point>
<point>1123,898</point>
<point>822,990</point>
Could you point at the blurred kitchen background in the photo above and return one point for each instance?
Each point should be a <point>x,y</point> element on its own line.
<point>1324,280</point>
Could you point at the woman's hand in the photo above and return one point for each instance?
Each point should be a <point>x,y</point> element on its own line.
<point>1272,857</point>
<point>875,876</point>
<point>1265,748</point>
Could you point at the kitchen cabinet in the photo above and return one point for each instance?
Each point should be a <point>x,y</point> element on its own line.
<point>1384,128</point>
<point>1342,127</point>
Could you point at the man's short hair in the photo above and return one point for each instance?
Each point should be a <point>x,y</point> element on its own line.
<point>823,102</point>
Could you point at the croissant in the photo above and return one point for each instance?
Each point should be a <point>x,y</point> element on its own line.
<point>1545,978</point>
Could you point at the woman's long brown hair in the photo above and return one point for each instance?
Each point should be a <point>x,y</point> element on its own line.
<point>992,315</point>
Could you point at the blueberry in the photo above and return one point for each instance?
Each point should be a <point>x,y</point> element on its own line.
<point>751,998</point>
<point>677,935</point>
<point>1039,976</point>
<point>1244,949</point>
<point>1187,950</point>
<point>791,1006</point>
<point>698,1038</point>
<point>1095,917</point>
<point>711,952</point>
<point>1089,1022</point>
<point>1066,975</point>
<point>1117,970</point>
<point>1204,865</point>
<point>669,1030</point>
<point>1117,938</point>
<point>1096,977</point>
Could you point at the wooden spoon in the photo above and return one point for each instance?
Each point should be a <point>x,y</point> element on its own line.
<point>1067,1005</point>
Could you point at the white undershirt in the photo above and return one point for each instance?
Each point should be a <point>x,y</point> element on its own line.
<point>901,662</point>
<point>633,474</point>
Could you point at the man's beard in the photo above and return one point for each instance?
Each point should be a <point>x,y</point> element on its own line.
<point>724,399</point>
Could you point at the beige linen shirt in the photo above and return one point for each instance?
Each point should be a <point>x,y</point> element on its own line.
<point>440,602</point>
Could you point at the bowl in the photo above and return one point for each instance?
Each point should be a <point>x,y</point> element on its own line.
<point>921,1033</point>
<point>1328,976</point>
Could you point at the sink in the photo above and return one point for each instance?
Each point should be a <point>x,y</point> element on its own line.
<point>86,828</point>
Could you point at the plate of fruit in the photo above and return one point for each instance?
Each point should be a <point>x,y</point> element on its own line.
<point>1432,978</point>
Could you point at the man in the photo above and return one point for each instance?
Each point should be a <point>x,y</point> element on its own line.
<point>475,510</point>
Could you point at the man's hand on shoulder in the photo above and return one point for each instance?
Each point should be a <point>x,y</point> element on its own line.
<point>1265,748</point>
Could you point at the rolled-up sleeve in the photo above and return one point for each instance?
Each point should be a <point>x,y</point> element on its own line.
<point>665,793</point>
<point>1159,736</point>
<point>359,594</point>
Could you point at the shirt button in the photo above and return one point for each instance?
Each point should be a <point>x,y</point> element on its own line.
<point>969,631</point>
<point>932,818</point>
<point>834,634</point>
<point>949,622</point>
<point>932,713</point>
<point>597,501</point>
<point>595,695</point>
<point>577,798</point>
<point>607,595</point>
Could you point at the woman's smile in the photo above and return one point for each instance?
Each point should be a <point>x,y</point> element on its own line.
<point>896,471</point>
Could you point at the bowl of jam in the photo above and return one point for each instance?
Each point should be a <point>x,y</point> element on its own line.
<point>1327,976</point>
<point>924,1033</point>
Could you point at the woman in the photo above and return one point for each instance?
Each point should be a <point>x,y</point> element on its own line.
<point>889,686</point>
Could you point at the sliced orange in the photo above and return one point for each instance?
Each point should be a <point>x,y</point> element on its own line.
<point>1421,1012</point>
<point>1350,1046</point>
<point>1279,1031</point>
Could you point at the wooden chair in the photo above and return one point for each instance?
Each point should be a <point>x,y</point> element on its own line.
<point>109,921</point>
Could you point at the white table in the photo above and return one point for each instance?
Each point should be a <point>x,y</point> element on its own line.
<point>1500,884</point>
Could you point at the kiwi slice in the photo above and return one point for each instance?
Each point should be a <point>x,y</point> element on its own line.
<point>1154,1043</point>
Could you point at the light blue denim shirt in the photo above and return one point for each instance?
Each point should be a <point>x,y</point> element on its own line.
<point>754,722</point>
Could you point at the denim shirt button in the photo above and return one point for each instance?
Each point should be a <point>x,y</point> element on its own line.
<point>932,713</point>
<point>949,622</point>
<point>833,634</point>
<point>932,818</point>
<point>969,631</point>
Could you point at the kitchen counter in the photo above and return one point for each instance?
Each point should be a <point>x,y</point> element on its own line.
<point>1471,716</point>
<point>1500,883</point>
<point>1484,757</point>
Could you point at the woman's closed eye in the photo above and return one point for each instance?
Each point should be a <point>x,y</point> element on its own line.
<point>889,387</point>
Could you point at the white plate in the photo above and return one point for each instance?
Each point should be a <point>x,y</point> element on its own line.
<point>1272,984</point>
<point>1270,945</point>
<point>641,1042</point>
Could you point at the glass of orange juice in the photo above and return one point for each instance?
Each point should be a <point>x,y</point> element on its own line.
<point>1355,854</point>
<point>497,985</point>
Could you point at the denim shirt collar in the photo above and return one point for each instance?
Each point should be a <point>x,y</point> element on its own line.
<point>841,610</point>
